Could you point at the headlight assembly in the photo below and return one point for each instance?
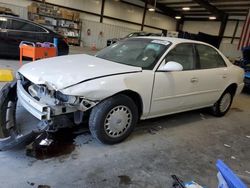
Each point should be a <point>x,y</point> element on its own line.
<point>65,98</point>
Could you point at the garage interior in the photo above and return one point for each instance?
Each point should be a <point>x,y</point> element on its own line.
<point>186,144</point>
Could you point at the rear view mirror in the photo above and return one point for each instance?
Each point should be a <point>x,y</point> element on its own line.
<point>171,66</point>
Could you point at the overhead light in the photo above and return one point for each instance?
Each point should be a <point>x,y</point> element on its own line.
<point>212,18</point>
<point>152,9</point>
<point>185,8</point>
<point>177,17</point>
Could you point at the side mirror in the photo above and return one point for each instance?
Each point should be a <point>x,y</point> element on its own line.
<point>171,66</point>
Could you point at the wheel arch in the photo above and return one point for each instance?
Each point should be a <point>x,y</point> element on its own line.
<point>232,88</point>
<point>136,98</point>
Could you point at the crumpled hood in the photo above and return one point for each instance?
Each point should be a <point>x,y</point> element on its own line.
<point>64,71</point>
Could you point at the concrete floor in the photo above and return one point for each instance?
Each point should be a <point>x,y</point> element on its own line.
<point>186,144</point>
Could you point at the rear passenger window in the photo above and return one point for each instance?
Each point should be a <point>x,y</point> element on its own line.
<point>24,26</point>
<point>183,54</point>
<point>209,57</point>
<point>3,23</point>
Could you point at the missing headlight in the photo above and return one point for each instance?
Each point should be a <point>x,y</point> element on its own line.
<point>65,98</point>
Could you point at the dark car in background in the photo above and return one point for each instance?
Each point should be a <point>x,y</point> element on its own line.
<point>245,64</point>
<point>13,30</point>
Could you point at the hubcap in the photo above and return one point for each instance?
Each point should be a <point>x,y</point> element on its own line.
<point>225,102</point>
<point>118,121</point>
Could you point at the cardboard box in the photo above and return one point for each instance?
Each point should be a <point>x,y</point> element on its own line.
<point>4,9</point>
<point>76,16</point>
<point>40,21</point>
<point>32,9</point>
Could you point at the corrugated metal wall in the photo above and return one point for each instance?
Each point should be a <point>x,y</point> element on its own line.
<point>108,31</point>
<point>19,10</point>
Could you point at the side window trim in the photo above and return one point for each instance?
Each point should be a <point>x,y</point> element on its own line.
<point>194,56</point>
<point>10,23</point>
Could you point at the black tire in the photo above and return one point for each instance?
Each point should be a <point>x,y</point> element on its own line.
<point>8,100</point>
<point>217,109</point>
<point>103,111</point>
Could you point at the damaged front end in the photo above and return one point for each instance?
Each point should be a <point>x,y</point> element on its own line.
<point>42,102</point>
<point>45,103</point>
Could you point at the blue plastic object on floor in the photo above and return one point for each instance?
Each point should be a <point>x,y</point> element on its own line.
<point>231,179</point>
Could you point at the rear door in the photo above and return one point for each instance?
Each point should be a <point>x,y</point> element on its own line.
<point>20,30</point>
<point>211,75</point>
<point>3,36</point>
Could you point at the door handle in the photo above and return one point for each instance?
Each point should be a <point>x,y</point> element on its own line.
<point>193,80</point>
<point>224,76</point>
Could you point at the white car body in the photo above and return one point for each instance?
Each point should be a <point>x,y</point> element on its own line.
<point>96,79</point>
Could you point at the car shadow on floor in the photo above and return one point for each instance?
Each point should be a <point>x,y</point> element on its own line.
<point>168,121</point>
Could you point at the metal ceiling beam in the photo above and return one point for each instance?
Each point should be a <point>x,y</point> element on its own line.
<point>226,1</point>
<point>220,14</point>
<point>177,3</point>
<point>144,15</point>
<point>166,10</point>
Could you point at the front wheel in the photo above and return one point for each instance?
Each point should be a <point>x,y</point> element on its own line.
<point>112,120</point>
<point>222,106</point>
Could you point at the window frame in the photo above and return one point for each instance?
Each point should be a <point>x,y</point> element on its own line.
<point>194,56</point>
<point>198,64</point>
<point>9,24</point>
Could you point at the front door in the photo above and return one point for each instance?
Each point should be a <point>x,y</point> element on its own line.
<point>174,91</point>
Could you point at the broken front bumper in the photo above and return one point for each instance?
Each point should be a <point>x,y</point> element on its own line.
<point>37,109</point>
<point>40,110</point>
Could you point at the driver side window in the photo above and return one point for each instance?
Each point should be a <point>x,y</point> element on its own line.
<point>183,54</point>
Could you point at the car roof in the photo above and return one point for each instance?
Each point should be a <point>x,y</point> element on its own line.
<point>175,40</point>
<point>9,16</point>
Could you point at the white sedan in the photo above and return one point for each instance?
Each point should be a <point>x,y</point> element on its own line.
<point>137,78</point>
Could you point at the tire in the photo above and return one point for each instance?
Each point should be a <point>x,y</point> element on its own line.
<point>222,106</point>
<point>8,101</point>
<point>113,120</point>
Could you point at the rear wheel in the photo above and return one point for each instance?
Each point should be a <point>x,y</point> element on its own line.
<point>222,106</point>
<point>113,120</point>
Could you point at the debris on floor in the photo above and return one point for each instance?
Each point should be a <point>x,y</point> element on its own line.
<point>43,186</point>
<point>233,157</point>
<point>178,183</point>
<point>154,130</point>
<point>48,145</point>
<point>202,116</point>
<point>30,183</point>
<point>83,139</point>
<point>226,145</point>
<point>124,180</point>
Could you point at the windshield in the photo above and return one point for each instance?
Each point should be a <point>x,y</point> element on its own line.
<point>135,52</point>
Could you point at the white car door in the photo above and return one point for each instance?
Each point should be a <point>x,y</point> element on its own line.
<point>174,91</point>
<point>211,75</point>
